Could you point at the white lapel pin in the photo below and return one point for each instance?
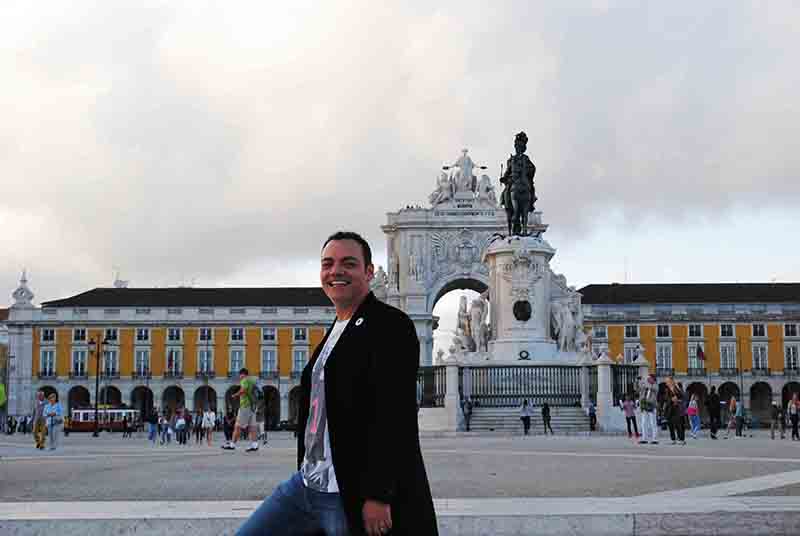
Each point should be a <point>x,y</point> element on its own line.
<point>359,321</point>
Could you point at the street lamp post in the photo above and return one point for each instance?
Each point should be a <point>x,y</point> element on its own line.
<point>97,349</point>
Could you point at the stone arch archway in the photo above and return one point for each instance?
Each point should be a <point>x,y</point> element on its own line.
<point>477,283</point>
<point>110,395</point>
<point>78,397</point>
<point>760,402</point>
<point>142,399</point>
<point>172,399</point>
<point>205,397</point>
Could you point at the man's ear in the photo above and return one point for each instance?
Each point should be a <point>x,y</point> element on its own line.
<point>370,272</point>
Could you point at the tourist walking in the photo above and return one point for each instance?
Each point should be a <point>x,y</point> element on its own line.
<point>629,409</point>
<point>546,418</point>
<point>793,411</point>
<point>197,423</point>
<point>466,409</point>
<point>209,419</point>
<point>713,408</point>
<point>778,420</point>
<point>739,419</point>
<point>227,427</point>
<point>54,416</point>
<point>732,409</point>
<point>648,394</point>
<point>246,419</point>
<point>673,411</point>
<point>592,416</point>
<point>39,425</point>
<point>693,412</point>
<point>525,412</point>
<point>180,427</point>
<point>152,426</point>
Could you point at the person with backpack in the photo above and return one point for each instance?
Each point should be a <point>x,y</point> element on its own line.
<point>713,407</point>
<point>246,418</point>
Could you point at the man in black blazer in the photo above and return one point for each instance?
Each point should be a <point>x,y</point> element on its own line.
<point>360,467</point>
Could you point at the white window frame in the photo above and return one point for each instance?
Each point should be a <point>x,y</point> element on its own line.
<point>727,355</point>
<point>669,331</point>
<point>762,350</point>
<point>79,355</point>
<point>693,361</point>
<point>636,327</point>
<point>110,357</point>
<point>205,354</point>
<point>239,340</point>
<point>791,356</point>
<point>171,331</point>
<point>689,330</point>
<point>81,331</point>
<point>231,366</point>
<point>597,348</point>
<point>663,356</point>
<point>177,361</point>
<point>111,331</point>
<point>295,361</point>
<point>763,327</point>
<point>52,339</point>
<point>43,360</point>
<point>604,330</point>
<point>722,334</point>
<point>629,352</point>
<point>142,335</point>
<point>295,332</point>
<point>265,331</point>
<point>200,333</point>
<point>795,327</point>
<point>141,365</point>
<point>265,363</point>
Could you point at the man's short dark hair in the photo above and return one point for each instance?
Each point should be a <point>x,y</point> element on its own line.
<point>244,371</point>
<point>349,235</point>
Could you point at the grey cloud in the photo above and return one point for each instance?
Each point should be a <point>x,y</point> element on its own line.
<point>187,140</point>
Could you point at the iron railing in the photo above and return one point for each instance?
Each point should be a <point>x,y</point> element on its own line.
<point>728,371</point>
<point>664,372</point>
<point>508,386</point>
<point>269,374</point>
<point>431,386</point>
<point>177,374</point>
<point>203,374</point>
<point>696,371</point>
<point>765,371</point>
<point>593,385</point>
<point>791,371</point>
<point>624,381</point>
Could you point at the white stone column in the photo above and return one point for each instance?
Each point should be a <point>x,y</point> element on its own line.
<point>605,405</point>
<point>452,400</point>
<point>284,397</point>
<point>586,396</point>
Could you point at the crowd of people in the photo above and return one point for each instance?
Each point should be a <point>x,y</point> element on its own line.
<point>682,411</point>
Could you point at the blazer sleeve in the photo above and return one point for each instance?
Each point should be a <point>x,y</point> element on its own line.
<point>393,373</point>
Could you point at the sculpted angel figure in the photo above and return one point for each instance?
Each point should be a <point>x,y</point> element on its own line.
<point>477,320</point>
<point>443,191</point>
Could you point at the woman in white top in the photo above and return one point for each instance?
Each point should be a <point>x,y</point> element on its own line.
<point>209,418</point>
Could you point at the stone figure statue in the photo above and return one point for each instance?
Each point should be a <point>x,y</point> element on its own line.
<point>464,179</point>
<point>519,195</point>
<point>394,272</point>
<point>379,284</point>
<point>477,319</point>
<point>443,191</point>
<point>463,316</point>
<point>563,326</point>
<point>486,190</point>
<point>440,357</point>
<point>461,341</point>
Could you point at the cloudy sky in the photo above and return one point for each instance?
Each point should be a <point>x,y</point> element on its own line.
<point>219,143</point>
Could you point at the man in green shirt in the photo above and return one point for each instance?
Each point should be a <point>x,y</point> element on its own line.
<point>247,412</point>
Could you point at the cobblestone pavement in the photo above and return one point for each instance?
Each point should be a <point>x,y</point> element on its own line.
<point>112,468</point>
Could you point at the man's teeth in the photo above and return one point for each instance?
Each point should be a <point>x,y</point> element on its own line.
<point>338,283</point>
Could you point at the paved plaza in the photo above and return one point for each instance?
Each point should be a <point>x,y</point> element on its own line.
<point>502,473</point>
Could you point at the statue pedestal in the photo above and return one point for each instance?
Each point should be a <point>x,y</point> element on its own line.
<point>520,290</point>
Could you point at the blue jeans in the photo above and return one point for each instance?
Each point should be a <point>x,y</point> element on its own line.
<point>295,510</point>
<point>151,432</point>
<point>695,420</point>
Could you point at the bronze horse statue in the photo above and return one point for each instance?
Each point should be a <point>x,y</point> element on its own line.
<point>519,195</point>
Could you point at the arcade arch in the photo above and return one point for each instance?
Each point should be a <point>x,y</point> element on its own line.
<point>110,395</point>
<point>78,397</point>
<point>172,399</point>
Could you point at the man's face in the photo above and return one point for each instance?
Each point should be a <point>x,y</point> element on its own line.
<point>40,396</point>
<point>242,376</point>
<point>519,146</point>
<point>343,275</point>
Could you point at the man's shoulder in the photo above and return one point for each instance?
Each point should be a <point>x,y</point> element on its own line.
<point>385,312</point>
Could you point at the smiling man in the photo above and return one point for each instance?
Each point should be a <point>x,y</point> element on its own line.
<point>360,464</point>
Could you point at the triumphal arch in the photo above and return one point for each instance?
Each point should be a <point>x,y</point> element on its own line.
<point>433,250</point>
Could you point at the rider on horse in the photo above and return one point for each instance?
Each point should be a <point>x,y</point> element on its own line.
<point>519,195</point>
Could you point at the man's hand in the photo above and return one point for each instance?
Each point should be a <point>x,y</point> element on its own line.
<point>377,518</point>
